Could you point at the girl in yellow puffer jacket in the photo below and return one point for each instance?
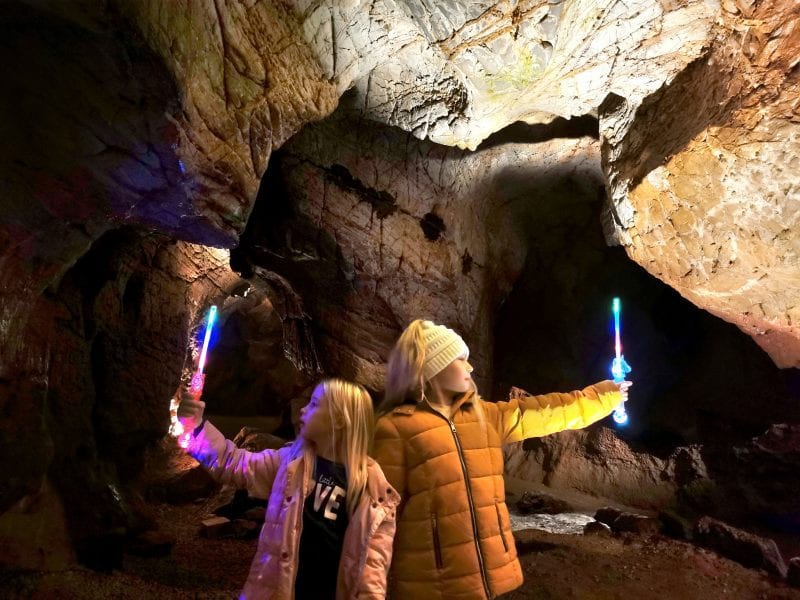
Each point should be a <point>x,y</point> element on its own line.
<point>330,518</point>
<point>439,445</point>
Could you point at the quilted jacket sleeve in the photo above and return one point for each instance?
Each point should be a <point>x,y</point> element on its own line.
<point>389,452</point>
<point>379,557</point>
<point>537,416</point>
<point>254,471</point>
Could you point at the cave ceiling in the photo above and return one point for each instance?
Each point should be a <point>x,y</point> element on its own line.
<point>165,115</point>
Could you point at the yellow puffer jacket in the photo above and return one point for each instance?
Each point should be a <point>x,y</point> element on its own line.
<point>453,535</point>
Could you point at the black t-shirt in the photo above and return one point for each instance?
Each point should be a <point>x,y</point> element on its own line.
<point>325,520</point>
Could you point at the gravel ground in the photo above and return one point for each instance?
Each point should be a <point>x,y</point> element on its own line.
<point>197,568</point>
<point>556,565</point>
<point>583,567</point>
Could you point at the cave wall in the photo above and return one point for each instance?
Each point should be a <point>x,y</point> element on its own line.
<point>249,370</point>
<point>709,171</point>
<point>206,95</point>
<point>91,392</point>
<point>375,228</point>
<point>506,244</point>
<point>697,378</point>
<point>110,150</point>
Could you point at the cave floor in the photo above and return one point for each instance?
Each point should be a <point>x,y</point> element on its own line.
<point>621,568</point>
<point>556,566</point>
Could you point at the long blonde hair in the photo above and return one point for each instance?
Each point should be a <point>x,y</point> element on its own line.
<point>404,373</point>
<point>350,406</point>
<point>404,377</point>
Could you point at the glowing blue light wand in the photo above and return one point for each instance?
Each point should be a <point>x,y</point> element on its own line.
<point>198,379</point>
<point>619,366</point>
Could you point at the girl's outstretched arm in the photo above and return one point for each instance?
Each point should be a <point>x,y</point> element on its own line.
<point>254,471</point>
<point>537,416</point>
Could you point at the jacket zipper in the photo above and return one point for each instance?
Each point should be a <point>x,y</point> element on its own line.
<point>500,525</point>
<point>437,549</point>
<point>471,509</point>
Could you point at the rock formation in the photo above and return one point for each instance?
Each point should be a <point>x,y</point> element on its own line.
<point>707,170</point>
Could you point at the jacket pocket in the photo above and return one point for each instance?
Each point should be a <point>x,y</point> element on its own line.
<point>500,525</point>
<point>437,549</point>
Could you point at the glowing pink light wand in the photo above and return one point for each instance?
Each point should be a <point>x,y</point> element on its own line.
<point>619,366</point>
<point>195,386</point>
<point>199,378</point>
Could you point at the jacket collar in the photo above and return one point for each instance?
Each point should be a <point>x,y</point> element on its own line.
<point>409,408</point>
<point>377,485</point>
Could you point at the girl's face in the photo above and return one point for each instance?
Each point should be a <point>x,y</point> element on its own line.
<point>315,417</point>
<point>455,377</point>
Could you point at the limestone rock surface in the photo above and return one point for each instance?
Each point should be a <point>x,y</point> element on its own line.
<point>376,228</point>
<point>703,176</point>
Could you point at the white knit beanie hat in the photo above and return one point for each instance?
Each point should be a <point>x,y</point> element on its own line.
<point>442,346</point>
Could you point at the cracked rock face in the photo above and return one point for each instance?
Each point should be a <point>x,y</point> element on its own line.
<point>172,113</point>
<point>377,228</point>
<point>459,71</point>
<point>455,72</point>
<point>698,155</point>
<point>247,82</point>
<point>707,198</point>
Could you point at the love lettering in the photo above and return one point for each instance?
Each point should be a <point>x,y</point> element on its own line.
<point>331,496</point>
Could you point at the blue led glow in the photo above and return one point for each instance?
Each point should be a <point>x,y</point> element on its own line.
<point>619,366</point>
<point>212,315</point>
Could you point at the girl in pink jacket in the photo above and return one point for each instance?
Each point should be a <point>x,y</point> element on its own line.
<point>330,519</point>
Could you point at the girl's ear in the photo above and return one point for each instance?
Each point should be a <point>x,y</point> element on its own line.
<point>340,421</point>
<point>337,418</point>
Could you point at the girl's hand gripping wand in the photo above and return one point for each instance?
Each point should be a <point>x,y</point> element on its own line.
<point>195,385</point>
<point>619,366</point>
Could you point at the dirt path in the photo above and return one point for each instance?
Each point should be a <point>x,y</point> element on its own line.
<point>556,567</point>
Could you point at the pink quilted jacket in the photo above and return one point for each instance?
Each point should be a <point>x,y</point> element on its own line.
<point>284,479</point>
